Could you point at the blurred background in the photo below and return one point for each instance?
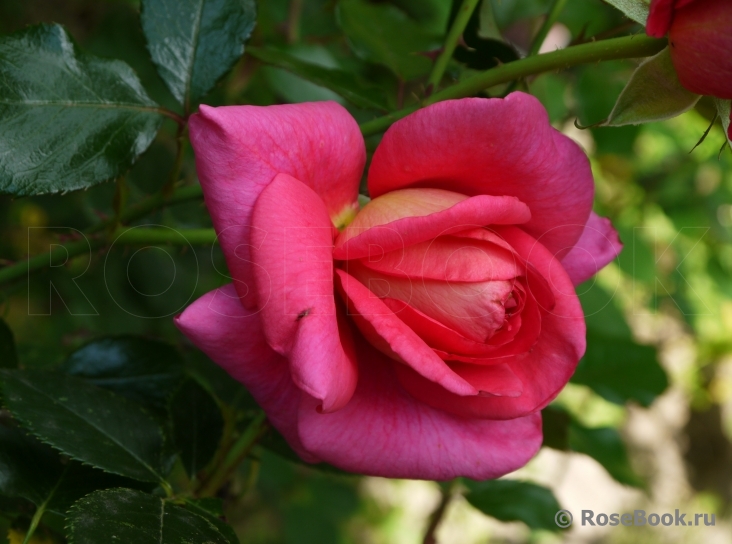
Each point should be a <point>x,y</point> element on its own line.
<point>646,422</point>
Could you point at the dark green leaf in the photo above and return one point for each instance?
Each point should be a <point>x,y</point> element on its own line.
<point>620,370</point>
<point>653,93</point>
<point>338,81</point>
<point>28,468</point>
<point>139,518</point>
<point>213,510</point>
<point>510,500</point>
<point>8,355</point>
<point>383,34</point>
<point>32,470</point>
<point>69,120</point>
<point>146,371</point>
<point>197,426</point>
<point>605,445</point>
<point>85,422</point>
<point>195,42</point>
<point>216,380</point>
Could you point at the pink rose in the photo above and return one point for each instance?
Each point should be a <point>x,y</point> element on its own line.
<point>422,339</point>
<point>700,37</point>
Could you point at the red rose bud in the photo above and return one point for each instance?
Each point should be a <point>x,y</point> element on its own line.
<point>700,37</point>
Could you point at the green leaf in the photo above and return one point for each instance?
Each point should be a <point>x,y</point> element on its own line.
<point>723,110</point>
<point>33,471</point>
<point>85,422</point>
<point>213,510</point>
<point>511,500</point>
<point>216,380</point>
<point>620,370</point>
<point>633,9</point>
<point>195,42</point>
<point>28,468</point>
<point>144,370</point>
<point>139,518</point>
<point>653,93</point>
<point>69,120</point>
<point>605,445</point>
<point>383,34</point>
<point>338,81</point>
<point>8,354</point>
<point>197,426</point>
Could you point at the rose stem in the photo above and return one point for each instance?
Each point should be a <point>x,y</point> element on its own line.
<point>613,49</point>
<point>551,18</point>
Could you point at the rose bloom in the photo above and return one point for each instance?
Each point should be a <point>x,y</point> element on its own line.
<point>700,37</point>
<point>420,336</point>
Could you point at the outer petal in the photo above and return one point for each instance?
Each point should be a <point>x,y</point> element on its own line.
<point>383,431</point>
<point>293,243</point>
<point>391,336</point>
<point>379,229</point>
<point>240,149</point>
<point>495,147</point>
<point>545,368</point>
<point>232,337</point>
<point>701,46</point>
<point>598,245</point>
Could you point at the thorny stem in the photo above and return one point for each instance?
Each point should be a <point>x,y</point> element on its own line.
<point>451,41</point>
<point>616,48</point>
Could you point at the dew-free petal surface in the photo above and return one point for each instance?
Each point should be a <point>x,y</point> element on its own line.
<point>494,147</point>
<point>240,149</point>
<point>384,431</point>
<point>598,245</point>
<point>292,243</point>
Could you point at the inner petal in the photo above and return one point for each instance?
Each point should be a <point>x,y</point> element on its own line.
<point>474,309</point>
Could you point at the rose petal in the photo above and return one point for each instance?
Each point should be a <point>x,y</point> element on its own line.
<point>386,332</point>
<point>598,245</point>
<point>448,258</point>
<point>232,337</point>
<point>383,431</point>
<point>475,310</point>
<point>547,366</point>
<point>403,218</point>
<point>495,147</point>
<point>293,241</point>
<point>239,150</point>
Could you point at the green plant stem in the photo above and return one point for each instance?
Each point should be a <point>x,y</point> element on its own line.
<point>125,235</point>
<point>551,18</point>
<point>42,509</point>
<point>235,456</point>
<point>150,204</point>
<point>616,48</point>
<point>430,536</point>
<point>175,172</point>
<point>453,36</point>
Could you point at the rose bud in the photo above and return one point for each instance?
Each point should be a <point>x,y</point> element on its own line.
<point>420,336</point>
<point>700,38</point>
